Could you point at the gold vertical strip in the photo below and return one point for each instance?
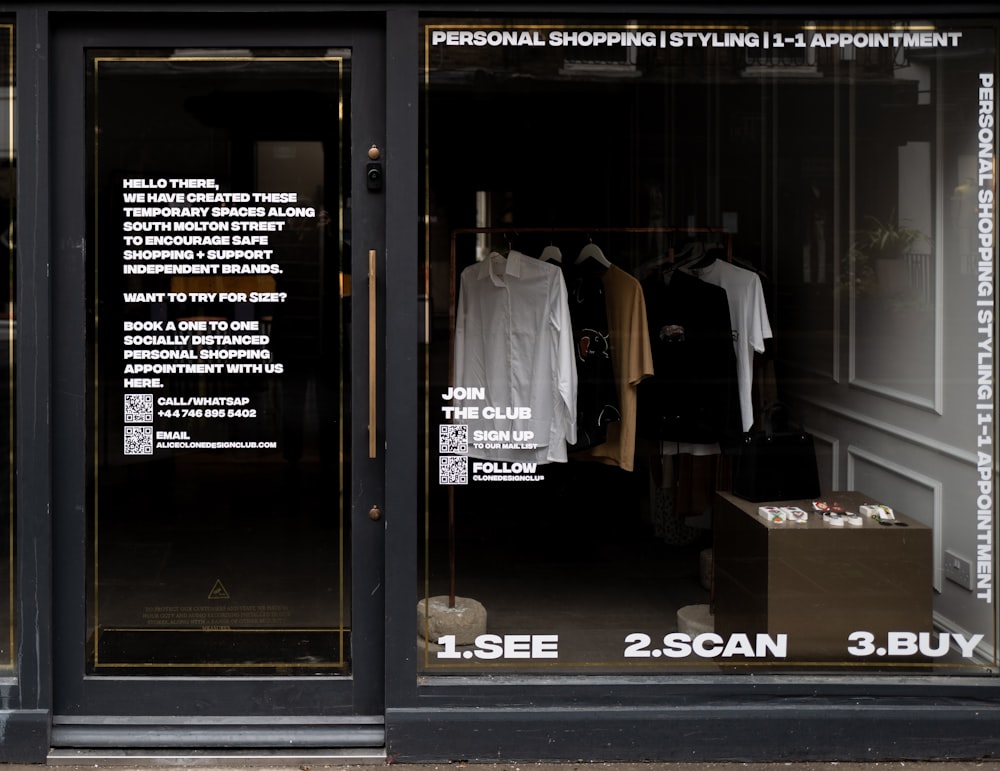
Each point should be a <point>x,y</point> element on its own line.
<point>427,348</point>
<point>372,358</point>
<point>341,224</point>
<point>96,385</point>
<point>11,301</point>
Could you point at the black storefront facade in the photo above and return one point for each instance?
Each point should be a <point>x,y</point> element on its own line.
<point>379,378</point>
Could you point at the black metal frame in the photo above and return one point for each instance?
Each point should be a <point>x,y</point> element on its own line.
<point>101,712</point>
<point>731,717</point>
<point>723,717</point>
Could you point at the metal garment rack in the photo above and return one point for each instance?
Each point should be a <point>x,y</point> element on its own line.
<point>452,303</point>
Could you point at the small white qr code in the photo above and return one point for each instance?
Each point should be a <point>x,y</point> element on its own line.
<point>453,470</point>
<point>138,440</point>
<point>138,408</point>
<point>453,439</point>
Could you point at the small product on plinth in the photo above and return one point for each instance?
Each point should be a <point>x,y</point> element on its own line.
<point>877,511</point>
<point>794,514</point>
<point>836,515</point>
<point>771,514</point>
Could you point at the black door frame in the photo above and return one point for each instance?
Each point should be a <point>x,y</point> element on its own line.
<point>766,718</point>
<point>342,711</point>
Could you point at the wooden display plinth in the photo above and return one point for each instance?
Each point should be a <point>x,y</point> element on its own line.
<point>818,583</point>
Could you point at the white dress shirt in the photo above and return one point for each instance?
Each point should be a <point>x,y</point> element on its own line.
<point>514,338</point>
<point>751,326</point>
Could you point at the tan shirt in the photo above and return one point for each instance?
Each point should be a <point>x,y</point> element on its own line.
<point>632,360</point>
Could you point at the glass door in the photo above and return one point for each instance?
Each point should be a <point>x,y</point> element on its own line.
<point>225,379</point>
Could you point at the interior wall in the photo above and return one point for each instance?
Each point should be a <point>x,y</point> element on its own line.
<point>891,394</point>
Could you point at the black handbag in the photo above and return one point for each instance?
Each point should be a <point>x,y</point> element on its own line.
<point>778,463</point>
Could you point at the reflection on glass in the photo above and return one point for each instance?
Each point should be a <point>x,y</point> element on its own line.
<point>217,363</point>
<point>660,229</point>
<point>7,325</point>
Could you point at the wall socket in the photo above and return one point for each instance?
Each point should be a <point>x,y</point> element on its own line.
<point>958,569</point>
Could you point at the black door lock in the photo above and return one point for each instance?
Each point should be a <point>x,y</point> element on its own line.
<point>373,177</point>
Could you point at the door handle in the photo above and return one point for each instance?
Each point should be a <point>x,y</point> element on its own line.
<point>372,359</point>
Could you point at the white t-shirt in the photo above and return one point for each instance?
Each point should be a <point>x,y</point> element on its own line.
<point>748,316</point>
<point>514,338</point>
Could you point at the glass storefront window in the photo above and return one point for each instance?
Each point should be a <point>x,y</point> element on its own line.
<point>656,250</point>
<point>217,307</point>
<point>8,321</point>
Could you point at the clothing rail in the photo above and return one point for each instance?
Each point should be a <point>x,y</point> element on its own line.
<point>453,287</point>
<point>452,301</point>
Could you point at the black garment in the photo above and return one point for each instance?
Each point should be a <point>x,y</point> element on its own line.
<point>694,394</point>
<point>596,395</point>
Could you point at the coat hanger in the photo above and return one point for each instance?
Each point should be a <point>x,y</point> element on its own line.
<point>551,253</point>
<point>503,249</point>
<point>710,256</point>
<point>676,255</point>
<point>593,251</point>
<point>691,253</point>
<point>685,252</point>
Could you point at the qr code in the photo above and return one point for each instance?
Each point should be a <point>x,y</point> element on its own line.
<point>138,440</point>
<point>453,470</point>
<point>453,439</point>
<point>138,408</point>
